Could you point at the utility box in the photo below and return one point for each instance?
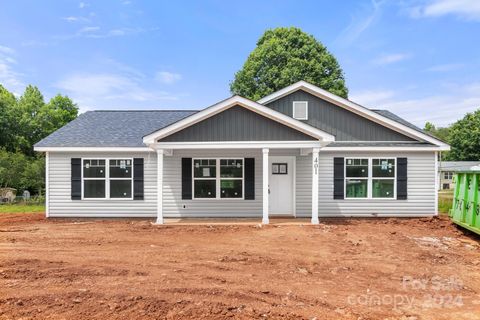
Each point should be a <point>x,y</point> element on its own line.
<point>466,199</point>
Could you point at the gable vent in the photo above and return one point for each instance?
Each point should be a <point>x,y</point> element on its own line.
<point>300,110</point>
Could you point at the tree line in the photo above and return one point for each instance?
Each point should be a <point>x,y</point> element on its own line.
<point>463,137</point>
<point>24,121</point>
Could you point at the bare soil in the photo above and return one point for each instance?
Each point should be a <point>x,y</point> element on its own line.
<point>340,269</point>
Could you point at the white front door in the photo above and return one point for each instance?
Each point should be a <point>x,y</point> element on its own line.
<point>281,177</point>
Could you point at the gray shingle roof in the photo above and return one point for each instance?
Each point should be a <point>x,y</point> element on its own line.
<point>106,128</point>
<point>112,128</point>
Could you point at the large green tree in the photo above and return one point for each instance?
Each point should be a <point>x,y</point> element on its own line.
<point>7,123</point>
<point>464,138</point>
<point>284,56</point>
<point>24,122</point>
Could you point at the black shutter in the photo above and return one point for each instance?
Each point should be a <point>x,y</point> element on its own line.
<point>338,178</point>
<point>76,187</point>
<point>138,179</point>
<point>249,179</point>
<point>186,178</point>
<point>402,178</point>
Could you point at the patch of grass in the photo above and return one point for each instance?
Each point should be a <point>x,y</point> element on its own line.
<point>21,208</point>
<point>445,200</point>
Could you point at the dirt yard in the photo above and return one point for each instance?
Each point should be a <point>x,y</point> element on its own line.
<point>340,269</point>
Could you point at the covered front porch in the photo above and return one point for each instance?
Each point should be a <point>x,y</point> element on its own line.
<point>279,171</point>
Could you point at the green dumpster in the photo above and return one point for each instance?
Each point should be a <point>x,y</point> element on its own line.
<point>466,199</point>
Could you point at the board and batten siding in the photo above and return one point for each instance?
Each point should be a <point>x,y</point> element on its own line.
<point>61,204</point>
<point>421,187</point>
<point>343,124</point>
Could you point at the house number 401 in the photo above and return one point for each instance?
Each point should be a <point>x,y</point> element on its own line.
<point>315,165</point>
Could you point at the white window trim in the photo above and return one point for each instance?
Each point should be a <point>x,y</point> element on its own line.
<point>293,110</point>
<point>107,179</point>
<point>218,178</point>
<point>370,179</point>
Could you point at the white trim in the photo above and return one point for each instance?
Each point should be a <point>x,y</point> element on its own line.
<point>246,103</point>
<point>353,107</point>
<point>327,148</point>
<point>315,168</point>
<point>92,149</point>
<point>159,187</point>
<point>218,179</point>
<point>294,109</point>
<point>370,179</point>
<point>265,188</point>
<point>107,179</point>
<point>435,189</point>
<point>240,145</point>
<point>47,184</point>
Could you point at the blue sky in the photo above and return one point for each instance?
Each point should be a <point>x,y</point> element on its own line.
<point>417,58</point>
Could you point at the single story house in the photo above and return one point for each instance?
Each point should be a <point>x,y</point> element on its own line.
<point>447,169</point>
<point>298,152</point>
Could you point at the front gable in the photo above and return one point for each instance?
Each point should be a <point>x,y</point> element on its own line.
<point>343,124</point>
<point>237,124</point>
<point>369,126</point>
<point>238,119</point>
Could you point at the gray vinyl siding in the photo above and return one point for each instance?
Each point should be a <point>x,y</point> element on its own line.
<point>343,124</point>
<point>421,187</point>
<point>60,202</point>
<point>237,124</point>
<point>173,205</point>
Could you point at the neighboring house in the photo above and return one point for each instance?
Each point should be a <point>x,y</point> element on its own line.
<point>447,169</point>
<point>300,152</point>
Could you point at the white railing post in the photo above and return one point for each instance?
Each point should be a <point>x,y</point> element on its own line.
<point>159,186</point>
<point>315,169</point>
<point>265,186</point>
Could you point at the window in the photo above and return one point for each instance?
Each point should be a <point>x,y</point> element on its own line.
<point>218,178</point>
<point>300,110</point>
<point>279,168</point>
<point>446,186</point>
<point>370,178</point>
<point>448,175</point>
<point>107,182</point>
<point>356,178</point>
<point>204,174</point>
<point>383,178</point>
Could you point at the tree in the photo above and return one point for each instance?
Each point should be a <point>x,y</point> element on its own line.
<point>36,119</point>
<point>284,56</point>
<point>464,138</point>
<point>441,132</point>
<point>28,107</point>
<point>59,111</point>
<point>7,125</point>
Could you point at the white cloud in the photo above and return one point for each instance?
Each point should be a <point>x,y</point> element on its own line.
<point>82,5</point>
<point>391,58</point>
<point>360,23</point>
<point>371,97</point>
<point>10,78</point>
<point>76,19</point>
<point>95,32</point>
<point>446,67</point>
<point>465,9</point>
<point>112,90</point>
<point>441,109</point>
<point>166,77</point>
<point>6,50</point>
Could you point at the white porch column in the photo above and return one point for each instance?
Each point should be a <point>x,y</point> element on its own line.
<point>315,168</point>
<point>159,186</point>
<point>265,186</point>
